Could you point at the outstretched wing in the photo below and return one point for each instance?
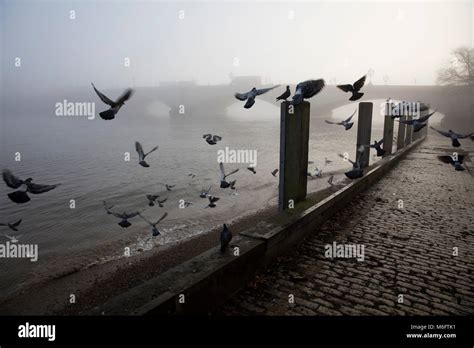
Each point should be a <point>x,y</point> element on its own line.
<point>409,122</point>
<point>265,90</point>
<point>139,149</point>
<point>380,142</point>
<point>446,159</point>
<point>11,180</point>
<point>16,223</point>
<point>103,97</point>
<point>144,218</point>
<point>129,216</point>
<point>241,96</point>
<point>359,83</point>
<point>330,122</point>
<point>346,88</point>
<point>424,118</point>
<point>125,96</point>
<point>446,134</point>
<point>232,172</point>
<point>350,117</point>
<point>460,136</point>
<point>37,188</point>
<point>154,149</point>
<point>216,138</point>
<point>161,218</point>
<point>221,167</point>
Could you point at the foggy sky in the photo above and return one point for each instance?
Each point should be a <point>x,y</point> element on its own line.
<point>342,40</point>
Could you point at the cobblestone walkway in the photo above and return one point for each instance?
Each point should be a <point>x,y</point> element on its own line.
<point>409,251</point>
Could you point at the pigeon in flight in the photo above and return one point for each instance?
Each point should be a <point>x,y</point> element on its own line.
<point>13,226</point>
<point>192,175</point>
<point>377,146</point>
<point>107,207</point>
<point>354,89</point>
<point>13,239</point>
<point>330,180</point>
<point>125,216</point>
<point>212,139</point>
<point>453,136</point>
<point>306,90</point>
<point>168,187</point>
<point>114,105</point>
<point>225,238</point>
<point>187,203</point>
<point>346,123</point>
<point>142,154</point>
<point>356,172</point>
<point>326,161</point>
<point>24,186</point>
<point>274,172</point>
<point>286,94</point>
<point>252,169</point>
<point>205,193</point>
<point>212,201</point>
<point>418,123</point>
<point>154,230</point>
<point>455,161</point>
<point>224,183</point>
<point>154,198</point>
<point>250,96</point>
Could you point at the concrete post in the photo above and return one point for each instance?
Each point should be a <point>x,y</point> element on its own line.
<point>364,130</point>
<point>401,133</point>
<point>294,142</point>
<point>409,132</point>
<point>388,131</point>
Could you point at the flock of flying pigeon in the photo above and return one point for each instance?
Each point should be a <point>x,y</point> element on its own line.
<point>304,90</point>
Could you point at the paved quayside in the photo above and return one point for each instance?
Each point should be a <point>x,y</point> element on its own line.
<point>409,251</point>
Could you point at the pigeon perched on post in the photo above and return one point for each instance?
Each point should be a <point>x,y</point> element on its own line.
<point>114,105</point>
<point>419,123</point>
<point>142,155</point>
<point>24,186</point>
<point>356,172</point>
<point>224,183</point>
<point>286,94</point>
<point>154,230</point>
<point>346,123</point>
<point>250,95</point>
<point>12,225</point>
<point>453,136</point>
<point>212,139</point>
<point>455,161</point>
<point>225,238</point>
<point>354,89</point>
<point>306,90</point>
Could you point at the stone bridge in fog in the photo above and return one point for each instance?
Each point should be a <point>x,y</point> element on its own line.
<point>215,99</point>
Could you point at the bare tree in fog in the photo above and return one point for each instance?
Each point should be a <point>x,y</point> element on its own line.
<point>459,70</point>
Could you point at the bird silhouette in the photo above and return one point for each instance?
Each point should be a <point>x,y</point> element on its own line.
<point>125,216</point>
<point>107,207</point>
<point>453,136</point>
<point>354,89</point>
<point>114,105</point>
<point>168,187</point>
<point>212,139</point>
<point>286,94</point>
<point>13,226</point>
<point>13,239</point>
<point>204,193</point>
<point>142,155</point>
<point>356,172</point>
<point>419,123</point>
<point>274,172</point>
<point>250,95</point>
<point>252,169</point>
<point>223,176</point>
<point>455,161</point>
<point>154,230</point>
<point>377,146</point>
<point>306,90</point>
<point>21,196</point>
<point>225,238</point>
<point>212,201</point>
<point>154,198</point>
<point>346,123</point>
<point>327,161</point>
